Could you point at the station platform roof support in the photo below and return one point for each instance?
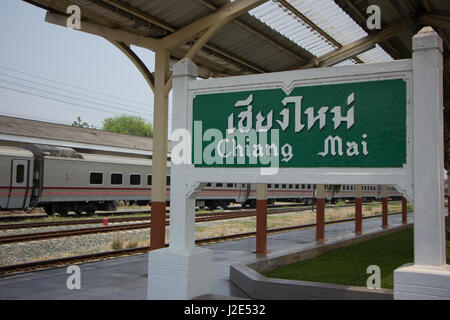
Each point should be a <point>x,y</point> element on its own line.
<point>226,38</point>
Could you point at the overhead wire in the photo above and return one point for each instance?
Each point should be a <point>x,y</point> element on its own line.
<point>70,97</point>
<point>70,85</point>
<point>78,93</point>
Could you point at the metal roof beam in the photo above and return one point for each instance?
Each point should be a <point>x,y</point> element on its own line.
<point>357,47</point>
<point>426,4</point>
<point>315,27</point>
<point>440,30</point>
<point>408,13</point>
<point>258,33</point>
<point>362,23</point>
<point>140,14</point>
<point>137,62</point>
<point>106,32</point>
<point>123,6</point>
<point>437,20</point>
<point>224,14</point>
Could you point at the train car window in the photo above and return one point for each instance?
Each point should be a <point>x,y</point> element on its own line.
<point>149,179</point>
<point>135,179</point>
<point>269,186</point>
<point>229,185</point>
<point>283,186</point>
<point>208,184</point>
<point>276,186</point>
<point>219,184</point>
<point>297,186</point>
<point>303,186</point>
<point>96,178</point>
<point>309,186</point>
<point>291,186</point>
<point>168,180</point>
<point>116,178</point>
<point>20,173</point>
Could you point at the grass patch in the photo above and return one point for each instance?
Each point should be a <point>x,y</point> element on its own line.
<point>347,266</point>
<point>117,244</point>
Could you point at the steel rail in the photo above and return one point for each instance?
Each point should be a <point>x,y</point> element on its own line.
<point>28,266</point>
<point>129,219</point>
<point>104,229</point>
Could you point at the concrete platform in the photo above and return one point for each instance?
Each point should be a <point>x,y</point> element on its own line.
<point>126,278</point>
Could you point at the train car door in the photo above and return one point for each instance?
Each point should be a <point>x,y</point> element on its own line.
<point>18,190</point>
<point>244,192</point>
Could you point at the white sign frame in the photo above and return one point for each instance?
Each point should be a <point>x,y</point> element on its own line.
<point>401,177</point>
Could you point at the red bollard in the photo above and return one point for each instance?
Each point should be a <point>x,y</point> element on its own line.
<point>105,221</point>
<point>404,211</point>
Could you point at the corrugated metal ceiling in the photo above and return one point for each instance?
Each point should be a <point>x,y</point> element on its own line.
<point>271,37</point>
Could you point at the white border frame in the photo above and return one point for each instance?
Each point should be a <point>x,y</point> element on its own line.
<point>401,177</point>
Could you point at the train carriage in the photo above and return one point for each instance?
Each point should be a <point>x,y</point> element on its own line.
<point>93,182</point>
<point>61,179</point>
<point>16,174</point>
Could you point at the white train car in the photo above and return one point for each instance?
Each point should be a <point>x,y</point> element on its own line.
<point>224,194</point>
<point>16,177</point>
<point>61,180</point>
<point>93,182</point>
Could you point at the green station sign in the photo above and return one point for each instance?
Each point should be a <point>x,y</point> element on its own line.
<point>357,124</point>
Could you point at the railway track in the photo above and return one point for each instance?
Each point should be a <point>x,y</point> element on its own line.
<point>271,210</point>
<point>116,228</point>
<point>119,212</point>
<point>140,250</point>
<point>205,217</point>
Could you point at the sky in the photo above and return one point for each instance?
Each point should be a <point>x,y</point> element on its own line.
<point>56,74</point>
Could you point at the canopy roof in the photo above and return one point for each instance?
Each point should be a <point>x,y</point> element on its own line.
<point>271,36</point>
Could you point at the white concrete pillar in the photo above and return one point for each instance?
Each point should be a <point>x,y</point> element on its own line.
<point>182,271</point>
<point>429,236</point>
<point>429,276</point>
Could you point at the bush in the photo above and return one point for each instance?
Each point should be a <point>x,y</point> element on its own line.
<point>132,244</point>
<point>117,244</point>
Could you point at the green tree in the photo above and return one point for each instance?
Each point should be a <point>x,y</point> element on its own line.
<point>128,125</point>
<point>81,124</point>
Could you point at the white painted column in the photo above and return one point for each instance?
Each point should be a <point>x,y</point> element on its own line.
<point>429,276</point>
<point>429,236</point>
<point>182,271</point>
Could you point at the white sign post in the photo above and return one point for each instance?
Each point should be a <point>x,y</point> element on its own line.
<point>429,276</point>
<point>184,271</point>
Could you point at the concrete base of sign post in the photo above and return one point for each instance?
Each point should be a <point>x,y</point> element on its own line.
<point>179,274</point>
<point>422,282</point>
